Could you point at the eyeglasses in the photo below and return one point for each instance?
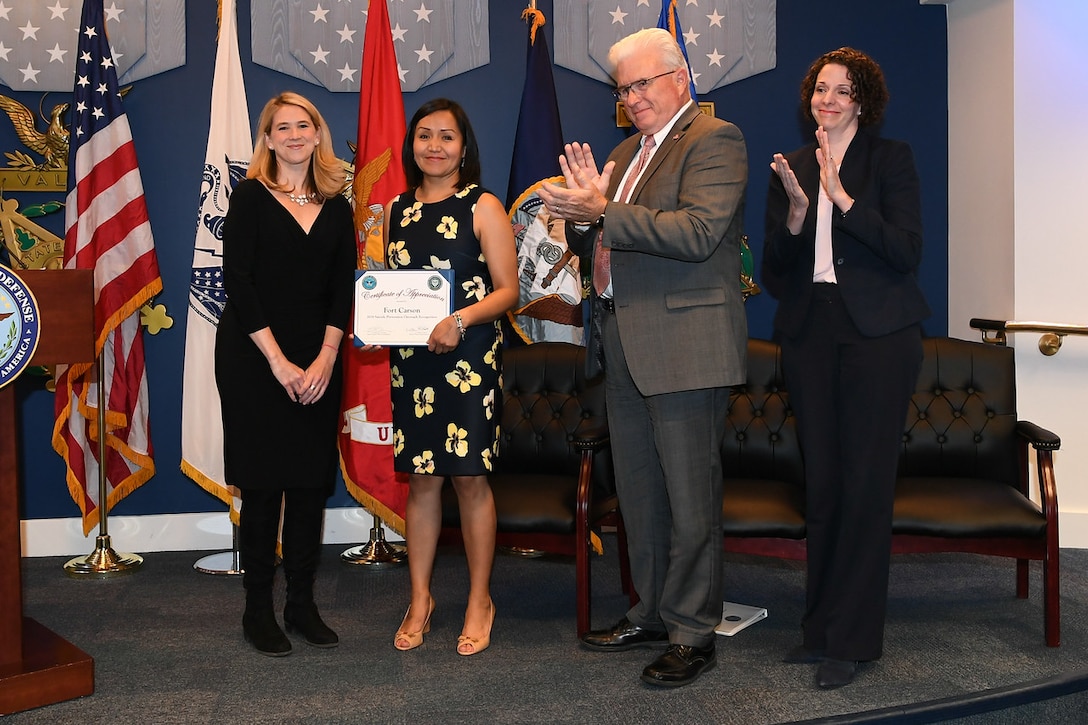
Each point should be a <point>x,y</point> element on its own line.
<point>638,87</point>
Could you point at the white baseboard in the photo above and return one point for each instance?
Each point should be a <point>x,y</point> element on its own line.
<point>212,531</point>
<point>1073,529</point>
<point>175,532</point>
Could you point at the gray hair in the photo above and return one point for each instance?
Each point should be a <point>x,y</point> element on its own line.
<point>648,40</point>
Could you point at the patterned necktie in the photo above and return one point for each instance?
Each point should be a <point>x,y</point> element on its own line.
<point>602,259</point>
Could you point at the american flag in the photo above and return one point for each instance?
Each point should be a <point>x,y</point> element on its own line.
<point>107,230</point>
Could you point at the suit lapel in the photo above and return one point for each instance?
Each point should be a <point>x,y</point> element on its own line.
<point>676,133</point>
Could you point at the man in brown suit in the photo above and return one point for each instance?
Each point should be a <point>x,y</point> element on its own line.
<point>668,326</point>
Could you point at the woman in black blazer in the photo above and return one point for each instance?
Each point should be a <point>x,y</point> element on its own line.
<point>842,247</point>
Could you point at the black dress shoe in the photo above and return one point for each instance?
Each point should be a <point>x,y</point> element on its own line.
<point>304,619</point>
<point>801,655</point>
<point>623,636</point>
<point>681,664</point>
<point>261,630</point>
<point>835,673</point>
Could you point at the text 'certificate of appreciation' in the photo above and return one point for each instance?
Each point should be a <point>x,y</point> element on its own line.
<point>400,306</point>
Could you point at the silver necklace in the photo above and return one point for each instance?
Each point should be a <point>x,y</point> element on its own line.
<point>301,199</point>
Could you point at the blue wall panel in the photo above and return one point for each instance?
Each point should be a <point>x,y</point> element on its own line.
<point>169,116</point>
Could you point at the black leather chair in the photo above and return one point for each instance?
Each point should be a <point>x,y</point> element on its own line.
<point>763,506</point>
<point>552,480</point>
<point>964,480</point>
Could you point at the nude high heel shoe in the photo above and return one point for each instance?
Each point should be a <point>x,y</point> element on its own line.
<point>404,640</point>
<point>475,645</point>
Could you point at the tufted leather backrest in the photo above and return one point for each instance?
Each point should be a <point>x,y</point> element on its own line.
<point>547,402</point>
<point>760,433</point>
<point>962,417</point>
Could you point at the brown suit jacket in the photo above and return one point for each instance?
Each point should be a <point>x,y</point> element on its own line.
<point>676,259</point>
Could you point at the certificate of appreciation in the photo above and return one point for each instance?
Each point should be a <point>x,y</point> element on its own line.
<point>400,306</point>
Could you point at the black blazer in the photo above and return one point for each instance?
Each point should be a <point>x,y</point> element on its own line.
<point>876,247</point>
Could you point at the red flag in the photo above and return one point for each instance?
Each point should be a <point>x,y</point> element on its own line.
<point>366,439</point>
<point>107,230</point>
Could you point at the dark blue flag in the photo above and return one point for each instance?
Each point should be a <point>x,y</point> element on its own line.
<point>670,20</point>
<point>539,138</point>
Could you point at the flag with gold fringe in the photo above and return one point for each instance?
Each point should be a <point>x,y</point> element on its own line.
<point>106,230</point>
<point>230,145</point>
<point>550,295</point>
<point>366,437</point>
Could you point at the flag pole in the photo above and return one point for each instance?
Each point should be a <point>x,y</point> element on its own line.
<point>376,553</point>
<point>103,561</point>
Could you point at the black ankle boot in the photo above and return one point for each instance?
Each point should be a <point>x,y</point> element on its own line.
<point>261,630</point>
<point>304,619</point>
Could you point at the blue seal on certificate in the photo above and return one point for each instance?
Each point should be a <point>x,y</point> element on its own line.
<point>20,326</point>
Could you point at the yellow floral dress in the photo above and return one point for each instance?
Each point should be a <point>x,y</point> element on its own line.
<point>445,407</point>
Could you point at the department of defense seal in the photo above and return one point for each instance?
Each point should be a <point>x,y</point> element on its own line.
<point>20,326</point>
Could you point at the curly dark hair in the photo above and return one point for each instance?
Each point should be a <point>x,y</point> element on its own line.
<point>470,169</point>
<point>870,91</point>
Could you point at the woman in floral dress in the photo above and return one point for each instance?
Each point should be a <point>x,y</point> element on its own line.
<point>446,397</point>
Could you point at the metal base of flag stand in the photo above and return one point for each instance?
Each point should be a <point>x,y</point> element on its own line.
<point>225,562</point>
<point>376,553</point>
<point>103,562</point>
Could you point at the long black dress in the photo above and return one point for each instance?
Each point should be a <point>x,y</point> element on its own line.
<point>445,418</point>
<point>278,276</point>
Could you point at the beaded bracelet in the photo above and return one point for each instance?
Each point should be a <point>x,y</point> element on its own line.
<point>460,324</point>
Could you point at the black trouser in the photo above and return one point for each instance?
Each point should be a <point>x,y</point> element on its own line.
<point>258,531</point>
<point>850,394</point>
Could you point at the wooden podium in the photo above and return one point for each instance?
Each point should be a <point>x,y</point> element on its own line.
<point>38,667</point>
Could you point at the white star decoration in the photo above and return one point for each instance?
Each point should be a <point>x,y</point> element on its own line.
<point>617,15</point>
<point>347,73</point>
<point>56,54</point>
<point>346,34</point>
<point>433,39</point>
<point>113,13</point>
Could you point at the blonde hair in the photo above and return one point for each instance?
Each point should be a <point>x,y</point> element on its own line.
<point>326,175</point>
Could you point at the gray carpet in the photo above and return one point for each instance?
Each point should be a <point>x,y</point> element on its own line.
<point>168,649</point>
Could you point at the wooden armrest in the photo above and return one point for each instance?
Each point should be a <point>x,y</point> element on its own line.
<point>1039,437</point>
<point>591,438</point>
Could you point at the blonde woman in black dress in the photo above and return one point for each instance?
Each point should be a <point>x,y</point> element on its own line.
<point>446,397</point>
<point>288,267</point>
